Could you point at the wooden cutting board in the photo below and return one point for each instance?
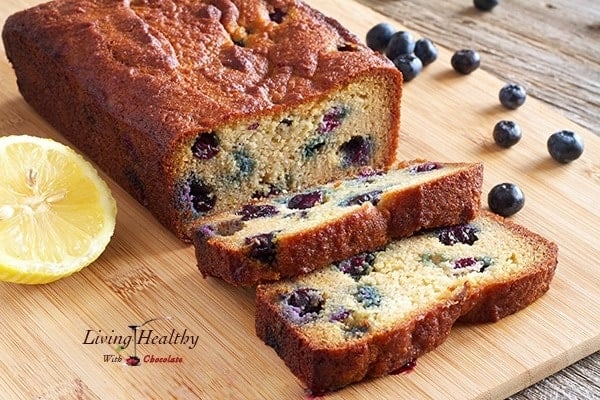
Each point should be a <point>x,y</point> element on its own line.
<point>51,345</point>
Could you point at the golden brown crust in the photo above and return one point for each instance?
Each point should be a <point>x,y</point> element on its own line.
<point>128,82</point>
<point>446,200</point>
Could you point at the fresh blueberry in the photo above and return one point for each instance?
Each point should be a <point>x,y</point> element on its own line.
<point>373,196</point>
<point>507,133</point>
<point>485,5</point>
<point>512,95</point>
<point>303,201</point>
<point>357,266</point>
<point>206,146</point>
<point>506,199</point>
<point>356,152</point>
<point>426,51</point>
<point>262,247</point>
<point>379,36</point>
<point>465,61</point>
<point>252,211</point>
<point>410,66</point>
<point>401,42</point>
<point>462,233</point>
<point>565,146</point>
<point>368,296</point>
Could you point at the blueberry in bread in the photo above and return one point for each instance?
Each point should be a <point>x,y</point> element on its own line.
<point>195,107</point>
<point>298,232</point>
<point>343,324</point>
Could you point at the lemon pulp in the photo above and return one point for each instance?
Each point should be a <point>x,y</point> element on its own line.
<point>57,215</point>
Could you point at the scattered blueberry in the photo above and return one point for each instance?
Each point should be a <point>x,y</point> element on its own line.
<point>425,167</point>
<point>410,66</point>
<point>252,211</point>
<point>356,151</point>
<point>373,196</point>
<point>401,42</point>
<point>465,61</point>
<point>368,296</point>
<point>512,95</point>
<point>507,133</point>
<point>379,36</point>
<point>332,119</point>
<point>565,146</point>
<point>358,265</point>
<point>426,51</point>
<point>506,199</point>
<point>462,233</point>
<point>485,5</point>
<point>206,146</point>
<point>262,247</point>
<point>303,201</point>
<point>314,146</point>
<point>303,304</point>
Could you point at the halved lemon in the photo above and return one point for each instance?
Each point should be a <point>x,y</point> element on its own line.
<point>57,215</point>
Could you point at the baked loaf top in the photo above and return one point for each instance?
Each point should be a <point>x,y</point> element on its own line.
<point>298,232</point>
<point>213,61</point>
<point>373,313</point>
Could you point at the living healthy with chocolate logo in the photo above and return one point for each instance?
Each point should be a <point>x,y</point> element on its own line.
<point>141,343</point>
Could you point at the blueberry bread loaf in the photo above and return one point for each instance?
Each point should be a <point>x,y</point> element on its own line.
<point>196,106</point>
<point>293,234</point>
<point>371,314</point>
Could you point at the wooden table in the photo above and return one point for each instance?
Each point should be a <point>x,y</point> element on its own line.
<point>553,48</point>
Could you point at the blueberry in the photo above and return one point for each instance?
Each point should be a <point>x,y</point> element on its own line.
<point>262,247</point>
<point>507,133</point>
<point>340,315</point>
<point>206,146</point>
<point>201,196</point>
<point>425,167</point>
<point>401,42</point>
<point>462,233</point>
<point>512,95</point>
<point>332,119</point>
<point>314,146</point>
<point>356,152</point>
<point>379,36</point>
<point>410,66</point>
<point>465,61</point>
<point>251,211</point>
<point>485,5</point>
<point>565,146</point>
<point>303,201</point>
<point>426,51</point>
<point>357,266</point>
<point>506,199</point>
<point>277,15</point>
<point>368,296</point>
<point>373,196</point>
<point>303,304</point>
<point>245,163</point>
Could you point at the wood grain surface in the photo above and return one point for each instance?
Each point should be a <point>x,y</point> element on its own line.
<point>52,345</point>
<point>553,48</point>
